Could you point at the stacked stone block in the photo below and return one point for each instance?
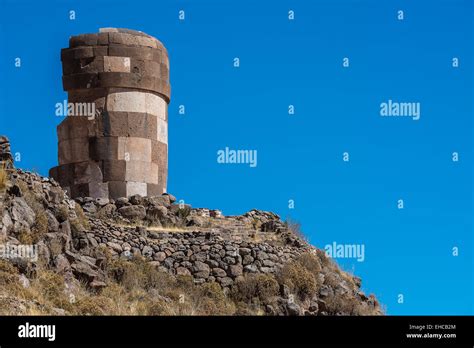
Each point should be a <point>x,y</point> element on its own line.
<point>123,150</point>
<point>6,159</point>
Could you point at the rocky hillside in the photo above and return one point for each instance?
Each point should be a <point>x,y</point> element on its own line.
<point>155,256</point>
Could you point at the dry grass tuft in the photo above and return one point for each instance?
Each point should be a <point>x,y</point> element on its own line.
<point>299,279</point>
<point>258,288</point>
<point>3,178</point>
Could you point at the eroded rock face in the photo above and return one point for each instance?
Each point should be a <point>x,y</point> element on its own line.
<point>47,225</point>
<point>120,78</point>
<point>78,236</point>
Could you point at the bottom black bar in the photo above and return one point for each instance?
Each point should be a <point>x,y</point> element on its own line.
<point>236,331</point>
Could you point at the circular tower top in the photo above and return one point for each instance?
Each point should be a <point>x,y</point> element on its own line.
<point>116,58</point>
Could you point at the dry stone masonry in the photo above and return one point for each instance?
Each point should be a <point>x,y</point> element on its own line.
<point>123,149</point>
<point>79,239</point>
<point>6,159</point>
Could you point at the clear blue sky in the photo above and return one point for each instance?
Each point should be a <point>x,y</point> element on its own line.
<point>296,62</point>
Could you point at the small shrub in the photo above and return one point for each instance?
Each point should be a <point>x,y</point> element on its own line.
<point>262,287</point>
<point>295,228</point>
<point>25,236</point>
<point>50,286</point>
<point>62,213</point>
<point>256,224</point>
<point>125,273</point>
<point>350,305</point>
<point>159,308</point>
<point>184,212</point>
<point>332,280</point>
<point>40,227</point>
<point>3,178</point>
<point>310,262</point>
<point>211,300</point>
<point>81,217</point>
<point>324,260</point>
<point>94,305</point>
<point>55,247</point>
<point>243,308</point>
<point>7,267</point>
<point>139,274</point>
<point>300,281</point>
<point>8,273</point>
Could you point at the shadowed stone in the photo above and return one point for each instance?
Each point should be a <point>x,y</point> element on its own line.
<point>73,150</point>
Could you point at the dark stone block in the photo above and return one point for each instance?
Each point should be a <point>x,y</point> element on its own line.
<point>83,40</point>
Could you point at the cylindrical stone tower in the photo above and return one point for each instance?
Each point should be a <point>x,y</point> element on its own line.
<point>123,76</point>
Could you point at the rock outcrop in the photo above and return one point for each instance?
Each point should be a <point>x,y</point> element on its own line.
<point>6,159</point>
<point>77,239</point>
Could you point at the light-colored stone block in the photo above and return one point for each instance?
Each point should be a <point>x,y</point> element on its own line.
<point>153,174</point>
<point>155,105</point>
<point>140,171</point>
<point>162,129</point>
<point>132,40</point>
<point>136,188</point>
<point>135,101</point>
<point>116,64</point>
<point>99,189</point>
<point>108,30</point>
<point>134,149</point>
<point>126,189</point>
<point>132,101</point>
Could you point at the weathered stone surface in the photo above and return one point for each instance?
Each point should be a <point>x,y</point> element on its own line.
<point>155,189</point>
<point>117,79</point>
<point>133,40</point>
<point>5,152</point>
<point>162,130</point>
<point>73,150</point>
<point>125,189</point>
<point>92,189</point>
<point>92,65</point>
<point>21,214</point>
<point>87,172</point>
<point>116,64</point>
<point>223,250</point>
<point>145,53</point>
<point>128,124</point>
<point>137,102</point>
<point>145,67</point>
<point>133,212</point>
<point>121,148</point>
<point>235,270</point>
<point>83,40</point>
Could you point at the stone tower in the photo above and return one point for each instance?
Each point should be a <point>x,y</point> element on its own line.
<point>121,147</point>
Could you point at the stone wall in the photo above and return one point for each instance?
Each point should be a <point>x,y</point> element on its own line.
<point>206,256</point>
<point>123,149</point>
<point>178,239</point>
<point>80,240</point>
<point>6,159</point>
<point>183,240</point>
